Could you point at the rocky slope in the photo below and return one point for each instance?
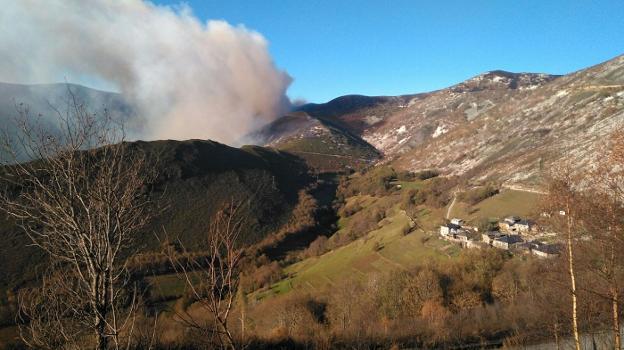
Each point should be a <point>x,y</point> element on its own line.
<point>526,132</point>
<point>502,125</point>
<point>416,120</point>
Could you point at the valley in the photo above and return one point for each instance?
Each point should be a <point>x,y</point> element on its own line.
<point>343,204</point>
<point>311,175</point>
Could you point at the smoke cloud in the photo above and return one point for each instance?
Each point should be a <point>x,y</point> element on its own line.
<point>187,79</point>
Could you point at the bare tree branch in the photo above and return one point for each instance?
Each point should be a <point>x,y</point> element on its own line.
<point>81,198</point>
<point>212,278</point>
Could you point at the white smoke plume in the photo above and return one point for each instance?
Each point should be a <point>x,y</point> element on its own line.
<point>187,79</point>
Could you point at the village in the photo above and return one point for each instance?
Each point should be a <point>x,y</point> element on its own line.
<point>513,234</point>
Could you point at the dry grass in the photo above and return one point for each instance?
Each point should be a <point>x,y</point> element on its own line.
<point>508,202</point>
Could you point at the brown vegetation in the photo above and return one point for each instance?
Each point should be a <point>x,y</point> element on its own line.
<point>480,297</point>
<point>213,281</point>
<point>82,207</point>
<point>81,202</point>
<point>476,195</point>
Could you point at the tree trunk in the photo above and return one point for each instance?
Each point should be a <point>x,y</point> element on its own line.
<point>228,342</point>
<point>101,302</point>
<point>617,341</point>
<point>101,338</point>
<point>556,331</point>
<point>242,325</point>
<point>575,330</point>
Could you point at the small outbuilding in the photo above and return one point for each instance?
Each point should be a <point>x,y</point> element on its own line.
<point>456,221</point>
<point>547,251</point>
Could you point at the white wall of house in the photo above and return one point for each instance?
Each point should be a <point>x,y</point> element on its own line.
<point>444,230</point>
<point>500,244</point>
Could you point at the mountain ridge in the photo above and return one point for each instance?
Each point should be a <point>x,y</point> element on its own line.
<point>500,125</point>
<point>448,129</point>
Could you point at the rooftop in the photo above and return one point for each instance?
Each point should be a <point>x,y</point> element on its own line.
<point>452,226</point>
<point>512,219</point>
<point>548,248</point>
<point>511,239</point>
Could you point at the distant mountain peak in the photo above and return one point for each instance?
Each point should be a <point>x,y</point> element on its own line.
<point>497,124</point>
<point>500,79</point>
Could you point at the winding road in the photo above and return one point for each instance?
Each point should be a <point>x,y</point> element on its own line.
<point>523,189</point>
<point>448,211</point>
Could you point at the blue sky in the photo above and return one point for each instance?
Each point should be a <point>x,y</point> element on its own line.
<point>338,47</point>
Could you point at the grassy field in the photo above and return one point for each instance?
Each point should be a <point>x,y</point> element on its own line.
<point>508,202</point>
<point>409,185</point>
<point>384,249</point>
<point>388,248</point>
<point>381,250</point>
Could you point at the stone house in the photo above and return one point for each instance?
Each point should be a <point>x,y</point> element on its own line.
<point>488,237</point>
<point>524,226</point>
<point>458,222</point>
<point>449,230</point>
<point>506,242</point>
<point>508,224</point>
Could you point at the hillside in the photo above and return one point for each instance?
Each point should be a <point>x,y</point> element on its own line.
<point>517,139</point>
<point>49,102</point>
<point>379,232</point>
<point>47,99</point>
<point>398,123</point>
<point>498,125</point>
<point>325,145</point>
<point>426,117</point>
<point>195,179</point>
<point>325,231</point>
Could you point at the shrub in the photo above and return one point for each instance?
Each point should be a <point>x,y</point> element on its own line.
<point>376,182</point>
<point>363,226</point>
<point>350,209</point>
<point>426,174</point>
<point>410,202</point>
<point>261,276</point>
<point>317,247</point>
<point>407,228</point>
<point>406,176</point>
<point>487,224</point>
<point>437,193</point>
<point>476,195</point>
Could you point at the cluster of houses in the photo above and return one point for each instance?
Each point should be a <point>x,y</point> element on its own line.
<point>512,234</point>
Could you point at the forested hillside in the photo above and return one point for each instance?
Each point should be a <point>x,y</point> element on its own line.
<point>194,179</point>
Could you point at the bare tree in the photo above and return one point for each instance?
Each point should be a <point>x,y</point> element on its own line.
<point>562,204</point>
<point>82,198</point>
<point>614,183</point>
<point>212,277</point>
<point>49,312</point>
<point>605,217</point>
